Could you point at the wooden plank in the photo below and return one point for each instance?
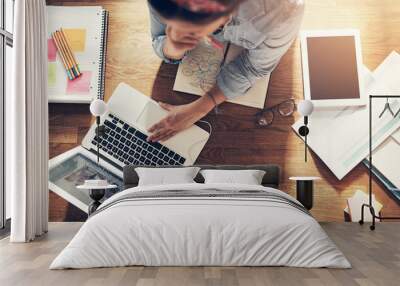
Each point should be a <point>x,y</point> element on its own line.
<point>375,258</point>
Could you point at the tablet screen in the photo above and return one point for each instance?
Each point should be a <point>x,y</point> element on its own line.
<point>332,65</point>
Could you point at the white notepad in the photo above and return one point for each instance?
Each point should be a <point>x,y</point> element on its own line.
<point>86,29</point>
<point>198,71</point>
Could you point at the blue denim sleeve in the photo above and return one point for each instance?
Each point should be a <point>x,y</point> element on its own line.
<point>157,29</point>
<point>238,76</point>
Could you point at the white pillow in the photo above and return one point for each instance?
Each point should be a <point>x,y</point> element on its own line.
<point>248,177</point>
<point>165,176</point>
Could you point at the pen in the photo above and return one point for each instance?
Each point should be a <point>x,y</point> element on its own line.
<point>225,54</point>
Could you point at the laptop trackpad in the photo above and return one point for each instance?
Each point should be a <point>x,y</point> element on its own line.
<point>151,114</point>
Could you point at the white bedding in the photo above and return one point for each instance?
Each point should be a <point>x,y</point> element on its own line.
<point>200,231</point>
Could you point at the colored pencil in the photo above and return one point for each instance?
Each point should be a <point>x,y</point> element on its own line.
<point>69,49</point>
<point>72,53</point>
<point>62,56</point>
<point>67,54</point>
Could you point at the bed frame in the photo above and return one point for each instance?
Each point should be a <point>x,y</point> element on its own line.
<point>271,177</point>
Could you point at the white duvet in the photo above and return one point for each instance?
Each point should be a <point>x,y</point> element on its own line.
<point>206,231</point>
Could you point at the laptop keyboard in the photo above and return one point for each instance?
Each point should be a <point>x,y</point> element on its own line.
<point>129,146</point>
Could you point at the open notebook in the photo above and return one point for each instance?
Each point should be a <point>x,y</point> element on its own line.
<point>198,71</point>
<point>86,30</point>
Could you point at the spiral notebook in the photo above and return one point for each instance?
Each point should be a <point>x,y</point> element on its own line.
<point>86,29</point>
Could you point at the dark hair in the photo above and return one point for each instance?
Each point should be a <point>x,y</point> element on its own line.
<point>170,10</point>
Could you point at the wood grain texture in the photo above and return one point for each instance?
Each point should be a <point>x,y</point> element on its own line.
<point>375,259</point>
<point>236,139</point>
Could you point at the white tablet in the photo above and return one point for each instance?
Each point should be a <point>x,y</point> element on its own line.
<point>72,168</point>
<point>332,68</point>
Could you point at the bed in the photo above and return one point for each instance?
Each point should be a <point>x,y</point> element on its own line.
<point>198,224</point>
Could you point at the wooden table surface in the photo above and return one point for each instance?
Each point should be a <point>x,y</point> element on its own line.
<point>235,138</point>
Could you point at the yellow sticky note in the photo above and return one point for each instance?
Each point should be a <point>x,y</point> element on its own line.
<point>51,75</point>
<point>76,38</point>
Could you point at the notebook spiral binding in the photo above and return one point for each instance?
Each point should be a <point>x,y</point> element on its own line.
<point>103,52</point>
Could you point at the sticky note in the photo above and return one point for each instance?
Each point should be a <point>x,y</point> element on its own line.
<point>51,74</point>
<point>51,50</point>
<point>80,85</point>
<point>76,39</point>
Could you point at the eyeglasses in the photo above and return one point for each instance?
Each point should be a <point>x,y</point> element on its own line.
<point>265,117</point>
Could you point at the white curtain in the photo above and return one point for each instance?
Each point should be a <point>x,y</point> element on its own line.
<point>27,124</point>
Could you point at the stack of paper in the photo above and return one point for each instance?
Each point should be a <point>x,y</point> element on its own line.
<point>340,137</point>
<point>354,206</point>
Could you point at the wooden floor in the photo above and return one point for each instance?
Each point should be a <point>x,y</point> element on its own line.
<point>375,257</point>
<point>235,138</point>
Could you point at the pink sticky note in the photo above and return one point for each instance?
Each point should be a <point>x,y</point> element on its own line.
<point>80,84</point>
<point>51,50</point>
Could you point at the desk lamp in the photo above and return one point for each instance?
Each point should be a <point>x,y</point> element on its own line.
<point>98,108</point>
<point>97,188</point>
<point>305,108</point>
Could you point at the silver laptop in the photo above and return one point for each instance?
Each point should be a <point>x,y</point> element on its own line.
<point>130,113</point>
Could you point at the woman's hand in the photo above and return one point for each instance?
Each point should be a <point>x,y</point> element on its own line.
<point>177,44</point>
<point>179,118</point>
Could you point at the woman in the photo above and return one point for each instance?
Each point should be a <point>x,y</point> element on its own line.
<point>264,28</point>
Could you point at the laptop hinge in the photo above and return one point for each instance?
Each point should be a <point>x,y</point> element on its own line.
<point>101,156</point>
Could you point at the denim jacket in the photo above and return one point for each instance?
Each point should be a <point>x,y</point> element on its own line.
<point>264,28</point>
